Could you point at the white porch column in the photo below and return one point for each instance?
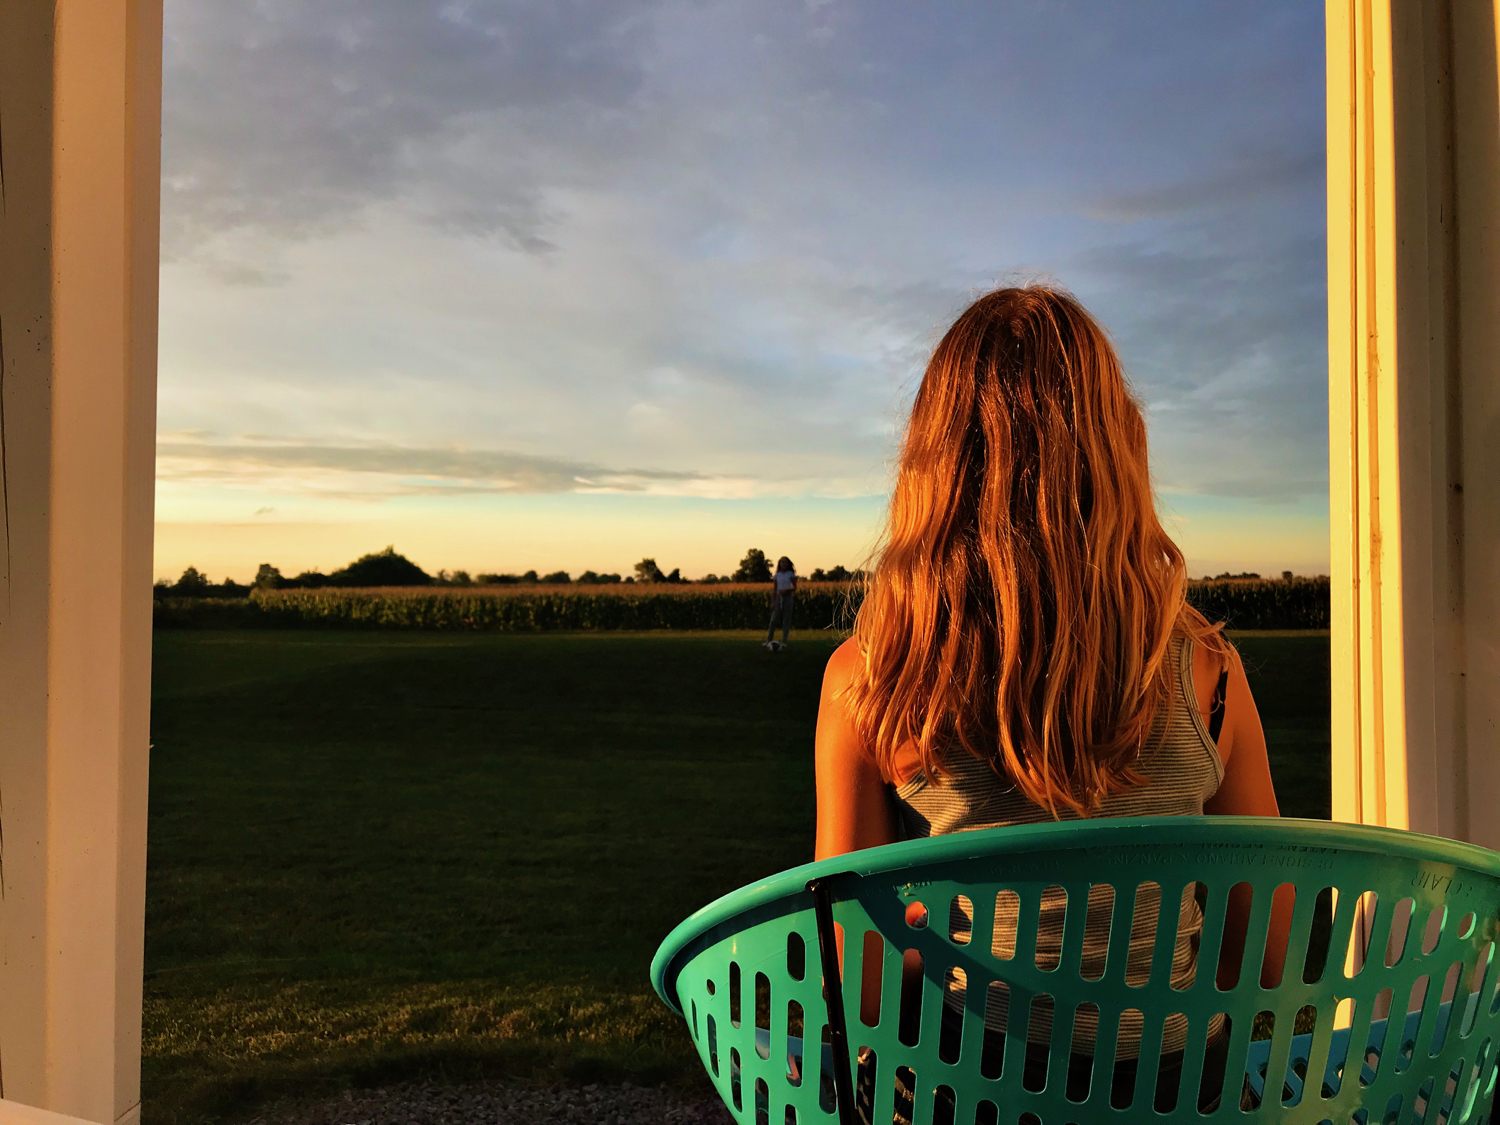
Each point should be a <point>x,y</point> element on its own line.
<point>80,85</point>
<point>1414,413</point>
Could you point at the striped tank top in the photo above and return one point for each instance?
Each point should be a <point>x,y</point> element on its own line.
<point>1182,769</point>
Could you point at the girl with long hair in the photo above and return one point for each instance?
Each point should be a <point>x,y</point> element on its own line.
<point>783,593</point>
<point>1024,651</point>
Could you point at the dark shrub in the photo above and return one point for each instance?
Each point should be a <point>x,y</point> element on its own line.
<point>384,568</point>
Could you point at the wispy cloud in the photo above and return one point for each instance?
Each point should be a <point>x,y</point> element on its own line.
<point>374,472</point>
<point>1244,180</point>
<point>386,470</point>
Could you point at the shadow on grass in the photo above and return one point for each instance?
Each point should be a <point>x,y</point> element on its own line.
<point>230,1051</point>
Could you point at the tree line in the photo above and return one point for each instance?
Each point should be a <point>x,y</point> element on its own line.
<point>389,568</point>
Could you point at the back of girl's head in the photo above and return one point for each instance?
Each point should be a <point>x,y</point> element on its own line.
<point>1022,606</point>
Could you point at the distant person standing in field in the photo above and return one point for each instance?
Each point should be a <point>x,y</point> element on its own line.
<point>785,581</point>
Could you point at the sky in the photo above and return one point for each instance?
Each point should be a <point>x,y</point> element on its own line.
<point>558,285</point>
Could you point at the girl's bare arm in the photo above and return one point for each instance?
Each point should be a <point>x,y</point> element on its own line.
<point>854,805</point>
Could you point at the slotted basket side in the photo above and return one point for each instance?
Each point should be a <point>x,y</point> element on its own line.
<point>745,975</point>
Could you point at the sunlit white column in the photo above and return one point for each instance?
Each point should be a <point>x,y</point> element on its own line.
<point>80,111</point>
<point>1414,413</point>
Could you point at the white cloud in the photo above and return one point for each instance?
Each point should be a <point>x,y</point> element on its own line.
<point>374,473</point>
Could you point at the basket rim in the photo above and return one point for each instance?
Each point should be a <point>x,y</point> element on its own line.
<point>1073,835</point>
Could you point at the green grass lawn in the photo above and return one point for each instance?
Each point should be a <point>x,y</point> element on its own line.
<point>383,855</point>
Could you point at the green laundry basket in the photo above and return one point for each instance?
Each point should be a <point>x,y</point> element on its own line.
<point>1386,1011</point>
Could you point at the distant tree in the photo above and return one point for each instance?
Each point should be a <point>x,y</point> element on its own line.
<point>838,574</point>
<point>192,584</point>
<point>589,578</point>
<point>461,578</point>
<point>630,579</point>
<point>754,567</point>
<point>529,576</point>
<point>707,578</point>
<point>647,571</point>
<point>1286,575</point>
<point>557,578</point>
<point>819,575</point>
<point>310,580</point>
<point>267,577</point>
<point>161,589</point>
<point>675,576</point>
<point>383,568</point>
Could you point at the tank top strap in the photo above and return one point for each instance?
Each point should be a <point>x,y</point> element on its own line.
<point>1187,691</point>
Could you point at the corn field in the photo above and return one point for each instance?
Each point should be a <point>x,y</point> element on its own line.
<point>1294,604</point>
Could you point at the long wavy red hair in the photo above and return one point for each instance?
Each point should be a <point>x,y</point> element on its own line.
<point>1022,605</point>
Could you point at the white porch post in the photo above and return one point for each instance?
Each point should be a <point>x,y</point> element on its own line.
<point>1414,413</point>
<point>80,87</point>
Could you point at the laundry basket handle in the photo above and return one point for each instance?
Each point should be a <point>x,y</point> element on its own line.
<point>833,994</point>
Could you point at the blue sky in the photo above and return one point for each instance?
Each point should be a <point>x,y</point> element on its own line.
<point>559,285</point>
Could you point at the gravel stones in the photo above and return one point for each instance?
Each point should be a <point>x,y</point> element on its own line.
<point>596,1104</point>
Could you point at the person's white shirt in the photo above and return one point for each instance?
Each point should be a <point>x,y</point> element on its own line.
<point>786,581</point>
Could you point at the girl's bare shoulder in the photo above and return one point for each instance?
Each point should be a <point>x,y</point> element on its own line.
<point>842,666</point>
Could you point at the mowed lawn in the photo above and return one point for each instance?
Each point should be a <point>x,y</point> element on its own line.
<point>383,855</point>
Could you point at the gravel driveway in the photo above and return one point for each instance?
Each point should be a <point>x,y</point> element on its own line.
<point>499,1105</point>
